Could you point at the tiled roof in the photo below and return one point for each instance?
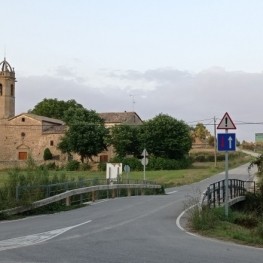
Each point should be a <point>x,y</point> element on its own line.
<point>39,118</point>
<point>120,117</point>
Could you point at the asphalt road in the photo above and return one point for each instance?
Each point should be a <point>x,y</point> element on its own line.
<point>132,229</point>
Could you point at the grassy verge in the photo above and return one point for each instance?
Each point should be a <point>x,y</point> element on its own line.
<point>240,227</point>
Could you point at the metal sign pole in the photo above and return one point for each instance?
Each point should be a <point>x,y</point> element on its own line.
<point>144,164</point>
<point>226,143</point>
<point>226,184</point>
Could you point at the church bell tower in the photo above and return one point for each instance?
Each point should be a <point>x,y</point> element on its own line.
<point>7,90</point>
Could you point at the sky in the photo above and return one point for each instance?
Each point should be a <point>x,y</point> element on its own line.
<point>194,60</point>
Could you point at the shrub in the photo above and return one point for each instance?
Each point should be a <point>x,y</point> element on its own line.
<point>85,167</point>
<point>47,154</point>
<point>246,220</point>
<point>73,165</point>
<point>155,163</point>
<point>102,166</point>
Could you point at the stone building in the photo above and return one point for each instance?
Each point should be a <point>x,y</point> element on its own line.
<point>27,134</point>
<point>24,134</point>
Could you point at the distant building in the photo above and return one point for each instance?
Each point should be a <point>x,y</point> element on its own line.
<point>258,137</point>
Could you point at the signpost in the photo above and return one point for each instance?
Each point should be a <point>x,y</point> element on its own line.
<point>226,142</point>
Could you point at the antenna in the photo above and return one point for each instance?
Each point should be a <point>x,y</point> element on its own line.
<point>133,101</point>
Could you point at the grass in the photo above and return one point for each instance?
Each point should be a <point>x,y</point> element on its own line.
<point>212,223</point>
<point>168,178</point>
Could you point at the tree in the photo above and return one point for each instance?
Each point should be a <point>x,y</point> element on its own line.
<point>201,132</point>
<point>86,133</point>
<point>54,108</point>
<point>125,140</point>
<point>164,136</point>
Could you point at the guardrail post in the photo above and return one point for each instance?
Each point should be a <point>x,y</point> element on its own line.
<point>68,201</point>
<point>93,196</point>
<point>129,192</point>
<point>17,192</point>
<point>231,188</point>
<point>208,196</point>
<point>113,193</point>
<point>142,191</point>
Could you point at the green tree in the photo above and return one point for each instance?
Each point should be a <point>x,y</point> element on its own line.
<point>125,140</point>
<point>164,136</point>
<point>54,108</point>
<point>86,133</point>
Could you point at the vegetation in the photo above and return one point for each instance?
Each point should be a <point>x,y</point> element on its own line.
<point>47,154</point>
<point>242,225</point>
<point>54,108</point>
<point>86,133</point>
<point>125,139</point>
<point>164,136</point>
<point>245,221</point>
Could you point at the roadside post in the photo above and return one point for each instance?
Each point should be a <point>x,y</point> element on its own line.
<point>127,169</point>
<point>144,162</point>
<point>226,142</point>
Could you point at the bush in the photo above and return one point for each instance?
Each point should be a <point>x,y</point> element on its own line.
<point>246,220</point>
<point>85,167</point>
<point>47,154</point>
<point>102,166</point>
<point>73,165</point>
<point>155,163</point>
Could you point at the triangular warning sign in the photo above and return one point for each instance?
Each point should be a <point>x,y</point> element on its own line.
<point>226,123</point>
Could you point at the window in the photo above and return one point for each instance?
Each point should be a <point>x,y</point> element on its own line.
<point>23,119</point>
<point>12,90</point>
<point>51,143</point>
<point>23,135</point>
<point>1,89</point>
<point>22,156</point>
<point>104,158</point>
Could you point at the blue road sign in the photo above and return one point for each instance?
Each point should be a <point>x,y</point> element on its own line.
<point>226,142</point>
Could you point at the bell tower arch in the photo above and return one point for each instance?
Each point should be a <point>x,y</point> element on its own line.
<point>7,90</point>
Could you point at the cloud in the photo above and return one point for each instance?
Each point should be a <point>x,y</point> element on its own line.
<point>184,95</point>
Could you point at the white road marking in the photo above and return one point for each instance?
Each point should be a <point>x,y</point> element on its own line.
<point>172,192</point>
<point>179,218</point>
<point>35,238</point>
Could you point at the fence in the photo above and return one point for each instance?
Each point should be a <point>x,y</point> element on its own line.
<point>215,193</point>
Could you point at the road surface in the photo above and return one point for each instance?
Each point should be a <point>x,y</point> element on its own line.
<point>133,229</point>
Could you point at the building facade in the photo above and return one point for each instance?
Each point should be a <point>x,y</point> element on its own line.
<point>27,134</point>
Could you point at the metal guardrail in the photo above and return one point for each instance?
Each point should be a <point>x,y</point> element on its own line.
<point>45,191</point>
<point>86,192</point>
<point>215,193</point>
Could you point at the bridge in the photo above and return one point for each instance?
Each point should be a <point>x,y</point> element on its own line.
<point>214,195</point>
<point>78,192</point>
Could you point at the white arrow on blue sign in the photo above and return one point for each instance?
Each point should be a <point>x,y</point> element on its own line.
<point>226,142</point>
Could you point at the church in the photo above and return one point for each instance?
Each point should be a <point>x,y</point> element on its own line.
<point>28,134</point>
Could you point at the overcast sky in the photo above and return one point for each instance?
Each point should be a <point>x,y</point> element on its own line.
<point>191,59</point>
